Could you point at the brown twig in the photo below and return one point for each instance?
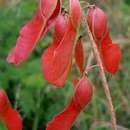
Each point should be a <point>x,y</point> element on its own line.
<point>103,78</point>
<point>89,68</point>
<point>89,62</point>
<point>90,58</point>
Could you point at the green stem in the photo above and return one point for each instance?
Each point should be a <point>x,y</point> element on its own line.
<point>37,110</point>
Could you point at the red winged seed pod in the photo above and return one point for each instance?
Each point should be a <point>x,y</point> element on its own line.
<point>32,32</point>
<point>82,96</point>
<point>51,73</point>
<point>8,115</point>
<point>79,55</point>
<point>75,13</point>
<point>110,52</point>
<point>97,21</point>
<point>12,120</point>
<point>4,103</point>
<point>58,57</point>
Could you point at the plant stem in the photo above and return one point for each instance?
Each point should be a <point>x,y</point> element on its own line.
<point>90,58</point>
<point>17,96</point>
<point>89,62</point>
<point>37,110</point>
<point>90,68</point>
<point>103,78</point>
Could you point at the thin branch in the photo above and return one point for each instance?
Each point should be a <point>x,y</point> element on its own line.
<point>103,78</point>
<point>90,58</point>
<point>89,62</point>
<point>89,68</point>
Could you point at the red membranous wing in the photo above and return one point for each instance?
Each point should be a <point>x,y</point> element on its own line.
<point>75,13</point>
<point>114,50</point>
<point>4,102</point>
<point>82,96</point>
<point>62,78</point>
<point>12,120</point>
<point>97,21</point>
<point>52,19</point>
<point>110,53</point>
<point>32,32</point>
<point>49,70</point>
<point>58,57</point>
<point>79,55</point>
<point>8,115</point>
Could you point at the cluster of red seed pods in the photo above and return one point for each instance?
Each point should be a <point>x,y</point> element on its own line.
<point>8,115</point>
<point>57,58</point>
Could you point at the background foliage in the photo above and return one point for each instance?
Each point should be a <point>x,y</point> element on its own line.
<point>34,98</point>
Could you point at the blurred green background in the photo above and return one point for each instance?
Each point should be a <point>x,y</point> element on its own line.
<point>35,99</point>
